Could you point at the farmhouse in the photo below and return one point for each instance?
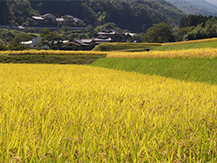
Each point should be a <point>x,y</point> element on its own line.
<point>81,44</point>
<point>50,18</point>
<point>113,34</point>
<point>42,19</point>
<point>102,39</point>
<point>105,36</point>
<point>33,43</point>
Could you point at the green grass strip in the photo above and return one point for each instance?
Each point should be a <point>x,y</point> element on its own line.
<point>199,45</point>
<point>196,70</point>
<point>49,59</point>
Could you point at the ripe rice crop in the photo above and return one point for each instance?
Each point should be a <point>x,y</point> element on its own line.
<point>191,41</point>
<point>72,113</point>
<point>52,52</point>
<point>191,53</point>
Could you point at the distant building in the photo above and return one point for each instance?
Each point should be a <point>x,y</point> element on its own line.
<point>113,34</point>
<point>50,18</point>
<point>37,20</point>
<point>81,44</point>
<point>33,43</point>
<point>102,39</point>
<point>105,36</point>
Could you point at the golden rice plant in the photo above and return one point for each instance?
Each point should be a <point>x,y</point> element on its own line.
<point>190,53</point>
<point>191,41</point>
<point>71,113</point>
<point>52,52</point>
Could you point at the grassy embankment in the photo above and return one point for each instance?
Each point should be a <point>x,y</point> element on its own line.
<point>87,57</point>
<point>126,47</point>
<point>197,70</point>
<point>137,47</point>
<point>195,44</point>
<point>50,56</point>
<point>199,63</point>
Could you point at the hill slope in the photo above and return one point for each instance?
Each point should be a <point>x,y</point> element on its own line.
<point>135,15</point>
<point>214,2</point>
<point>195,7</point>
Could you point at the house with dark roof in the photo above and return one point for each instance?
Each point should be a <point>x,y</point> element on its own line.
<point>50,18</point>
<point>105,36</point>
<point>113,34</point>
<point>102,39</point>
<point>81,44</point>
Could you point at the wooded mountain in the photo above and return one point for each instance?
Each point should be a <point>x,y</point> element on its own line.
<point>195,7</point>
<point>134,15</point>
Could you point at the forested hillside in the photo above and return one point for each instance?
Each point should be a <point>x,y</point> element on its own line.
<point>134,15</point>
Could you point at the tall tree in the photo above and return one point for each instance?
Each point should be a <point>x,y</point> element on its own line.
<point>19,11</point>
<point>52,39</point>
<point>159,33</point>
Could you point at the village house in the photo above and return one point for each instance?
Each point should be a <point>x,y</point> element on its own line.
<point>47,18</point>
<point>33,43</point>
<point>102,39</point>
<point>105,36</point>
<point>50,18</point>
<point>81,44</point>
<point>113,34</point>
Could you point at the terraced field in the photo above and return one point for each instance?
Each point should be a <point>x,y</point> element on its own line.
<point>69,113</point>
<point>163,110</point>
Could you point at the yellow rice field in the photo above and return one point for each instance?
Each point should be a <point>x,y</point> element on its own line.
<point>52,52</point>
<point>71,113</point>
<point>187,53</point>
<point>191,41</point>
<point>190,53</point>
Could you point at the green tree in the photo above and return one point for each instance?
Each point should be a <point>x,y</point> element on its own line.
<point>159,33</point>
<point>21,37</point>
<point>19,11</point>
<point>192,20</point>
<point>15,43</point>
<point>51,39</point>
<point>197,33</point>
<point>211,27</point>
<point>208,30</point>
<point>90,29</point>
<point>181,32</point>
<point>3,47</point>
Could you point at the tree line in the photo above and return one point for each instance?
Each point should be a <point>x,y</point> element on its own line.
<point>191,27</point>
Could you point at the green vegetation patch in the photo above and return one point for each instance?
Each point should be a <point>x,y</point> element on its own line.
<point>136,47</point>
<point>126,47</point>
<point>49,59</point>
<point>196,45</point>
<point>196,70</point>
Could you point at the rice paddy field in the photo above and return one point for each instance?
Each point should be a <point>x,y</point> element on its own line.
<point>85,113</point>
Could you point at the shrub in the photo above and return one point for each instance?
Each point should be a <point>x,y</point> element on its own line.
<point>15,46</point>
<point>3,47</point>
